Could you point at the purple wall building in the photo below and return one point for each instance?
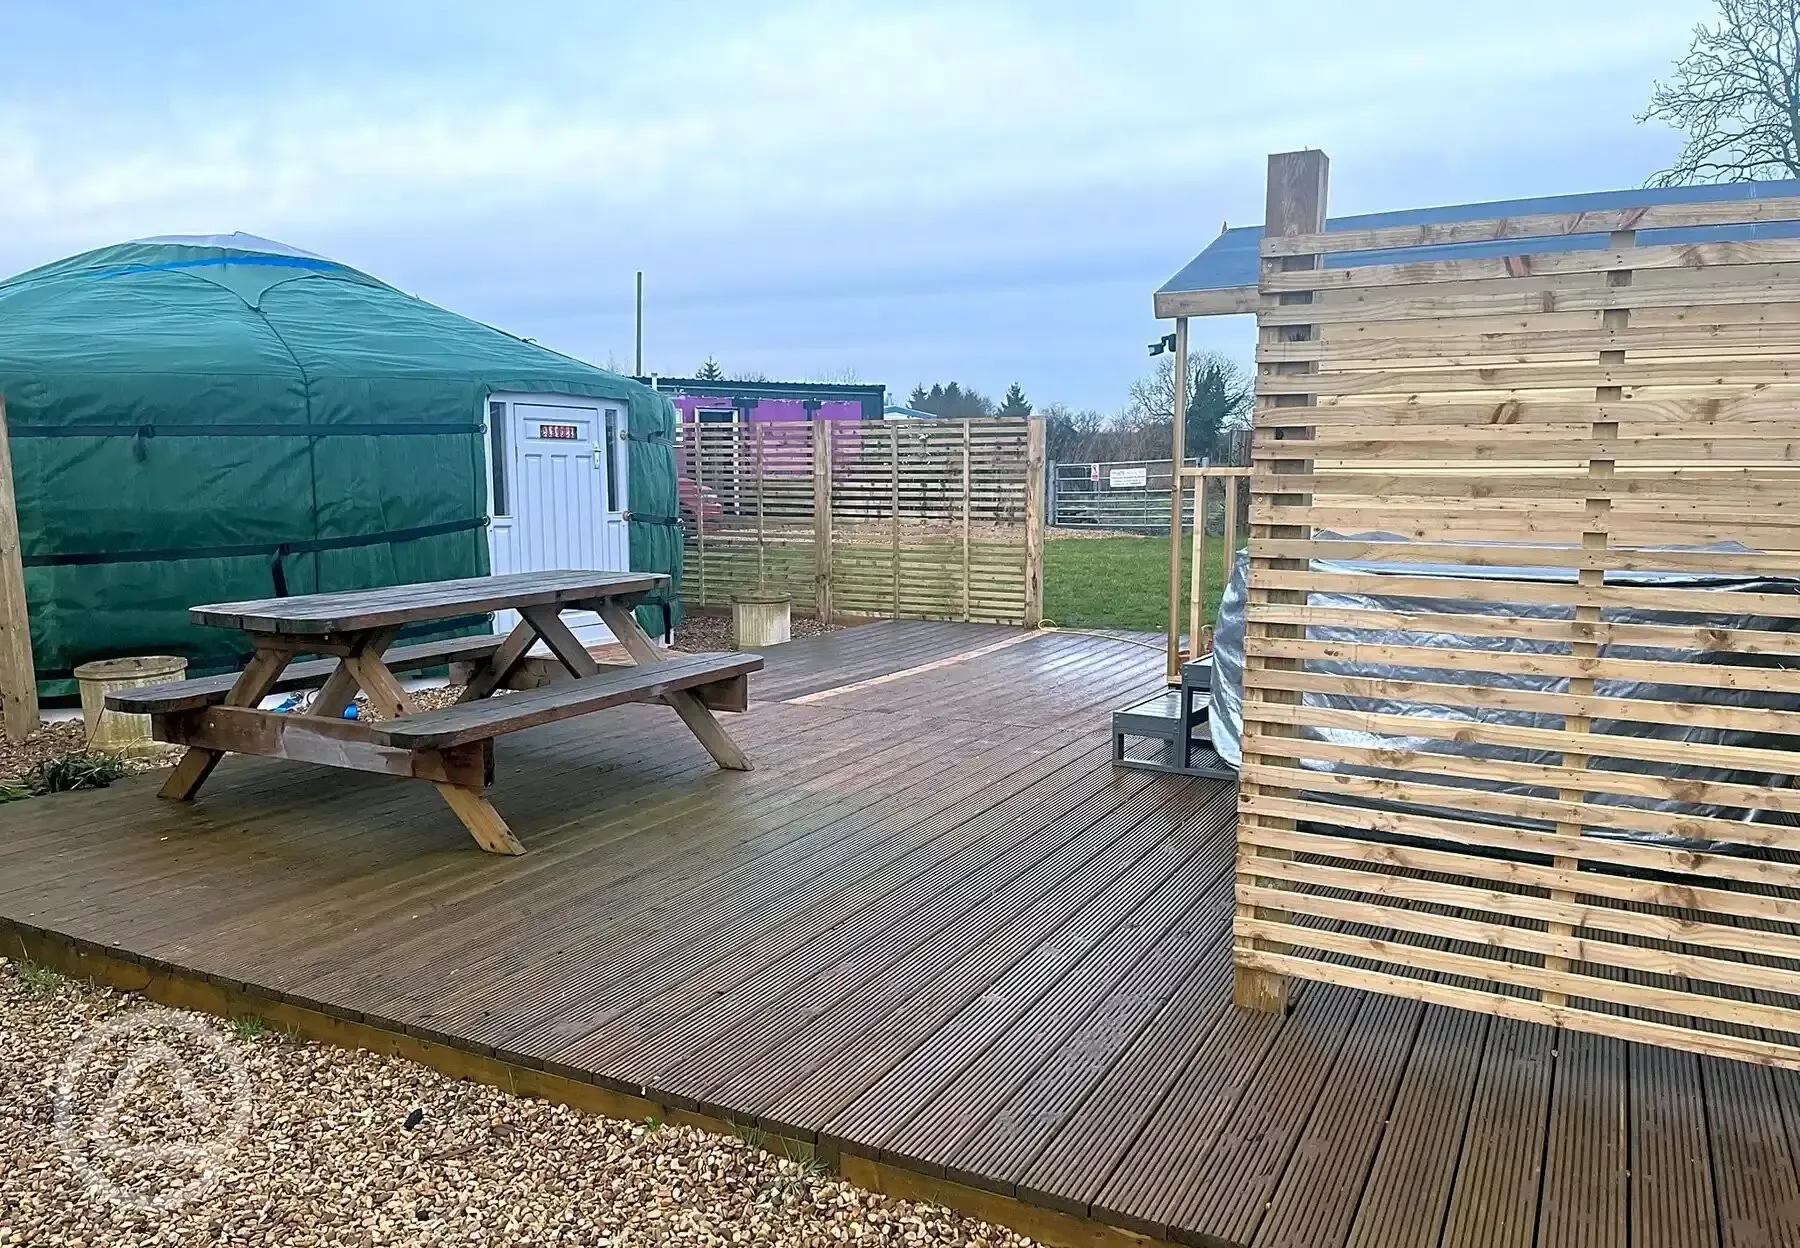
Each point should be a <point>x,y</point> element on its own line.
<point>770,401</point>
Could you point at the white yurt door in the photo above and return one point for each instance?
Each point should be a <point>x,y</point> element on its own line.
<point>557,492</point>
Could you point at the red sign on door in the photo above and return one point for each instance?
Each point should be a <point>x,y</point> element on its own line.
<point>560,433</point>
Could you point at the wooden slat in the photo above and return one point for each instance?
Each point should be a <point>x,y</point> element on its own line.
<point>1645,749</point>
<point>1596,260</point>
<point>1634,710</point>
<point>1751,286</point>
<point>310,674</point>
<point>1699,638</point>
<point>1587,1165</point>
<point>1571,375</point>
<point>491,717</point>
<point>1409,1187</point>
<point>1519,340</point>
<point>1491,555</point>
<point>1769,489</point>
<point>1542,225</point>
<point>1675,415</point>
<point>1495,1201</point>
<point>355,610</point>
<point>314,739</point>
<point>1672,1201</point>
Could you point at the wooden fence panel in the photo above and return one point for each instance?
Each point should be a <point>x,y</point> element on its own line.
<point>1476,812</point>
<point>749,511</point>
<point>899,519</point>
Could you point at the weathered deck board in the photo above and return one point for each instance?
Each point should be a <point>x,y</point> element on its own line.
<point>934,928</point>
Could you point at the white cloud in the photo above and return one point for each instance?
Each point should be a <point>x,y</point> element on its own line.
<point>517,163</point>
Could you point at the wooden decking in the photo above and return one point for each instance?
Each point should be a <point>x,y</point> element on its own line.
<point>933,932</point>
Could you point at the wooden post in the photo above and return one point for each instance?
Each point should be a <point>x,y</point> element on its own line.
<point>968,504</point>
<point>18,670</point>
<point>699,430</point>
<point>1034,521</point>
<point>1295,205</point>
<point>1172,659</point>
<point>1234,497</point>
<point>821,431</point>
<point>1595,536</point>
<point>762,578</point>
<point>1197,570</point>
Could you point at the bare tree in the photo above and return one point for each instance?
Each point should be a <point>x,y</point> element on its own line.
<point>1737,95</point>
<point>1220,396</point>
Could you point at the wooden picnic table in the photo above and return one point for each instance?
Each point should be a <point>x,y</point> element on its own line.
<point>453,747</point>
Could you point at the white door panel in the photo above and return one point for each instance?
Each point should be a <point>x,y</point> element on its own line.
<point>560,500</point>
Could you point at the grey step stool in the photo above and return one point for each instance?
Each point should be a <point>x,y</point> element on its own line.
<point>1172,718</point>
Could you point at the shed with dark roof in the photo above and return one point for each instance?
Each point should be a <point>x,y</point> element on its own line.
<point>1222,279</point>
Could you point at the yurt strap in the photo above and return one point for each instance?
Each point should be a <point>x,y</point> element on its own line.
<point>238,431</point>
<point>276,551</point>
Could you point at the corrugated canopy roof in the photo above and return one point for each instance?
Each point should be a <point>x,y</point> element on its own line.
<point>1222,279</point>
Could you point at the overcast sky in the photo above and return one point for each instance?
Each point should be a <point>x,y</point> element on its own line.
<point>915,192</point>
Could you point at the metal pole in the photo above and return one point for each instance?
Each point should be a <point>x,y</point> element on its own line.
<point>638,366</point>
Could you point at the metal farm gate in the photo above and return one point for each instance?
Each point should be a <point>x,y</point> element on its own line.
<point>1133,495</point>
<point>914,519</point>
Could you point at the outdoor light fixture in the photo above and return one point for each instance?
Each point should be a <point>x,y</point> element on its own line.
<point>1165,343</point>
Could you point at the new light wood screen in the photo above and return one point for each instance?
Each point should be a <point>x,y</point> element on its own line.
<point>1598,404</point>
<point>748,510</point>
<point>934,519</point>
<point>897,519</point>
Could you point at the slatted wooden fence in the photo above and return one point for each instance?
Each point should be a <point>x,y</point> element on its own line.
<point>931,520</point>
<point>1579,409</point>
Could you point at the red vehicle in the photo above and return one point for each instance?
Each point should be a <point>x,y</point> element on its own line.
<point>697,501</point>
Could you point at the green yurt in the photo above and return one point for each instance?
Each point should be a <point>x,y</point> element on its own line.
<point>203,419</point>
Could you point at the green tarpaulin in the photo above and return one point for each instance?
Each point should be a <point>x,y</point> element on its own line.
<point>203,420</point>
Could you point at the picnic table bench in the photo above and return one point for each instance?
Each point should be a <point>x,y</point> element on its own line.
<point>453,747</point>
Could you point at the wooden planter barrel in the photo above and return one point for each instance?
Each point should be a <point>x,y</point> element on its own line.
<point>761,618</point>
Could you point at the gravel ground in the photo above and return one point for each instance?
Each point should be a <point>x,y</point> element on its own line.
<point>313,1145</point>
<point>703,633</point>
<point>1072,534</point>
<point>62,737</point>
<point>53,738</point>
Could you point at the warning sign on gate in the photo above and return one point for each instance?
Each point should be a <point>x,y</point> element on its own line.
<point>1128,478</point>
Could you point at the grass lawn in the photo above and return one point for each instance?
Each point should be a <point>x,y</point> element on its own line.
<point>1121,582</point>
<point>1102,582</point>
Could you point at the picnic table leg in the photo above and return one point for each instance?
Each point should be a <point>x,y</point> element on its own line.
<point>488,677</point>
<point>253,683</point>
<point>470,804</point>
<point>693,711</point>
<point>340,687</point>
